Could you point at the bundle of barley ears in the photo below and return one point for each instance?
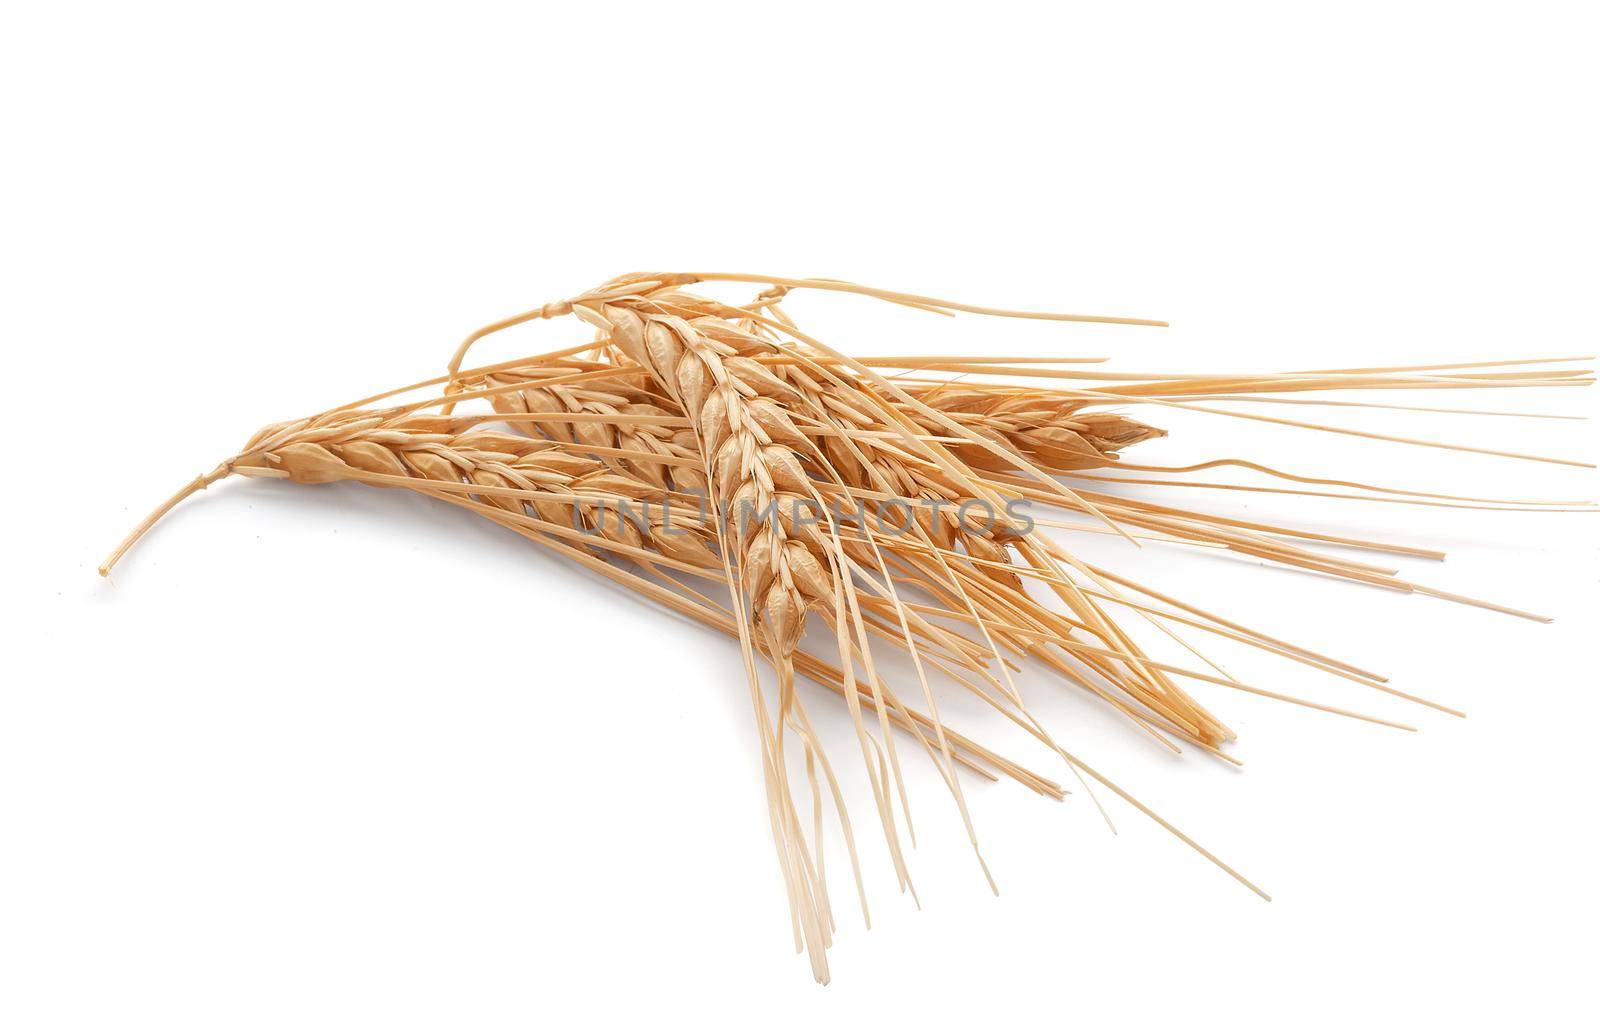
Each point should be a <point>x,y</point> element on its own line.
<point>722,462</point>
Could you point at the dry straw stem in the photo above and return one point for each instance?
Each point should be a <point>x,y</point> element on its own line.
<point>680,397</point>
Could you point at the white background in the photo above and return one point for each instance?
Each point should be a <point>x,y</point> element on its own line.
<point>333,754</point>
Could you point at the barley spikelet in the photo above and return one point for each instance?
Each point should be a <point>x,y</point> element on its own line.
<point>748,445</point>
<point>693,441</point>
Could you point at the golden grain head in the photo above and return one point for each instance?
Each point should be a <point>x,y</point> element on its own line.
<point>722,462</point>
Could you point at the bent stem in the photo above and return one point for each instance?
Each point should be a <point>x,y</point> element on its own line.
<point>198,484</point>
